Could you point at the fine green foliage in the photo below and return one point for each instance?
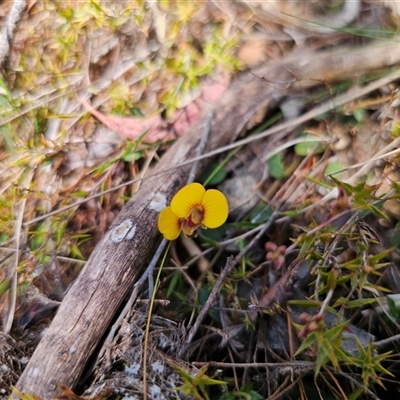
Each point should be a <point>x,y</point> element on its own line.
<point>370,364</point>
<point>325,345</point>
<point>196,385</point>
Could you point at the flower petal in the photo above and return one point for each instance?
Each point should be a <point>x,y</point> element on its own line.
<point>216,208</point>
<point>169,224</point>
<point>186,198</point>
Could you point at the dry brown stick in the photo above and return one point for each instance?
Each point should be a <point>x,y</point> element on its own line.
<point>293,364</point>
<point>117,262</point>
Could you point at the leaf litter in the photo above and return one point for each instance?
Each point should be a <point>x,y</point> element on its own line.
<point>121,65</point>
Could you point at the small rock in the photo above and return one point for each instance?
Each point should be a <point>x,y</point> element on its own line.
<point>240,192</point>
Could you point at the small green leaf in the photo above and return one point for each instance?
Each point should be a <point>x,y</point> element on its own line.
<point>378,212</point>
<point>319,182</point>
<point>261,213</point>
<point>309,145</point>
<point>309,340</point>
<point>335,331</point>
<point>213,174</point>
<point>4,286</point>
<point>393,301</point>
<point>360,114</point>
<point>80,193</point>
<point>395,239</point>
<point>356,394</point>
<point>333,168</point>
<point>348,188</point>
<point>135,112</point>
<point>305,303</point>
<point>395,130</point>
<point>134,156</point>
<point>275,166</point>
<point>291,213</point>
<point>321,356</point>
<point>173,283</point>
<point>361,302</point>
<point>75,252</point>
<point>340,301</point>
<point>213,236</point>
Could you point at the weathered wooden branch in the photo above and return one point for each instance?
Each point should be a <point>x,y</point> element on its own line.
<point>14,16</point>
<point>118,260</point>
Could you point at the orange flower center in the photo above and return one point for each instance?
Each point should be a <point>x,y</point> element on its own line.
<point>193,221</point>
<point>196,216</point>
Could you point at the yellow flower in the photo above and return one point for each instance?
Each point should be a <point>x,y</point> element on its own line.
<point>192,207</point>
